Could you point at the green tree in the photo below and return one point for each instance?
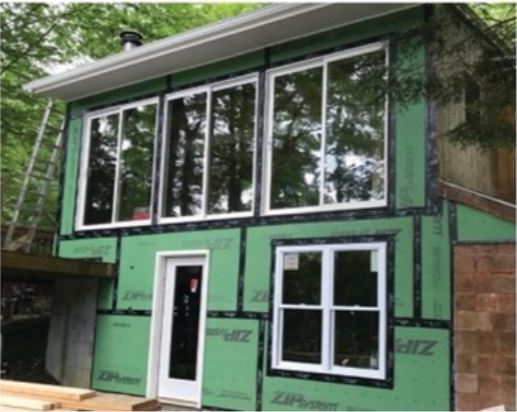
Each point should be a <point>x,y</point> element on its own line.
<point>36,37</point>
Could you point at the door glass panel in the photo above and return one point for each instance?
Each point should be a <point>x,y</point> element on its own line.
<point>231,150</point>
<point>136,160</point>
<point>296,139</point>
<point>302,336</point>
<point>354,152</point>
<point>185,155</point>
<point>101,169</point>
<point>302,278</point>
<point>185,322</point>
<point>355,278</point>
<point>356,339</point>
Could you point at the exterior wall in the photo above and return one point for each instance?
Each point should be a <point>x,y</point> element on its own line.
<point>490,171</point>
<point>237,373</point>
<point>484,280</point>
<point>484,311</point>
<point>72,325</point>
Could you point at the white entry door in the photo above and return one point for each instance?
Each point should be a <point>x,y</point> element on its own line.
<point>180,369</point>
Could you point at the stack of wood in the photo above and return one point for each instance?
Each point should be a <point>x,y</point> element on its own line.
<point>22,396</point>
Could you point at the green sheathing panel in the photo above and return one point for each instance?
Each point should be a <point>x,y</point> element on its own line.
<point>243,62</point>
<point>347,35</point>
<point>71,170</point>
<point>104,248</point>
<point>436,266</point>
<point>134,91</point>
<point>475,225</point>
<point>121,351</point>
<point>138,258</point>
<point>410,141</point>
<point>230,367</point>
<point>258,255</point>
<point>421,381</point>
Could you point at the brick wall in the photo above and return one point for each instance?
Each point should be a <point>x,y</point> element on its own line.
<point>484,326</point>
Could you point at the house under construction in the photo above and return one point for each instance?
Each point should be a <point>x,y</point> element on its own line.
<point>282,236</point>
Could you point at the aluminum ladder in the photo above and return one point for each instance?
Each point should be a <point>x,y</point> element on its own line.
<point>42,176</point>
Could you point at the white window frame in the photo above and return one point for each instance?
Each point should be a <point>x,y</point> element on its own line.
<point>328,310</point>
<point>85,157</point>
<point>208,89</point>
<point>322,62</point>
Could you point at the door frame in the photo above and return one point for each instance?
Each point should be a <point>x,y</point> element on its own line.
<point>153,363</point>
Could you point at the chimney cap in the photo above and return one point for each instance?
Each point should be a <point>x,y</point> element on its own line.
<point>130,38</point>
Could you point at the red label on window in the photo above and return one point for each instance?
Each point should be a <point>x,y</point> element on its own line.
<point>193,285</point>
<point>140,213</point>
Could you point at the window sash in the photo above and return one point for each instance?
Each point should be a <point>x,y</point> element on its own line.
<point>84,165</point>
<point>323,62</point>
<point>328,311</point>
<point>209,89</point>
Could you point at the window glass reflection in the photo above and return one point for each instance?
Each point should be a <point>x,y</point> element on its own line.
<point>102,162</point>
<point>296,139</point>
<point>355,278</point>
<point>231,150</point>
<point>354,152</point>
<point>185,152</point>
<point>136,161</point>
<point>302,278</point>
<point>302,336</point>
<point>356,339</point>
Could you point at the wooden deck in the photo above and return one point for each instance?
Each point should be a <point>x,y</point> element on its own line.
<point>24,266</point>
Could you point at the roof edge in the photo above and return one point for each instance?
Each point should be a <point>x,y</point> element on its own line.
<point>160,49</point>
<point>175,42</point>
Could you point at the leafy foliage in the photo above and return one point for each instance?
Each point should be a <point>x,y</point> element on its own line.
<point>37,38</point>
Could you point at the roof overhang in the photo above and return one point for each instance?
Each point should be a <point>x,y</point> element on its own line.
<point>217,41</point>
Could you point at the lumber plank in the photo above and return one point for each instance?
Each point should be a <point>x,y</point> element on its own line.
<point>106,402</point>
<point>113,402</point>
<point>46,391</point>
<point>26,403</point>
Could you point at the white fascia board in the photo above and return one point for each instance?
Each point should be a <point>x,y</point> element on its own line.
<point>230,37</point>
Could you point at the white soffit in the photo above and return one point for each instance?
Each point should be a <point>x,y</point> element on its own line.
<point>217,41</point>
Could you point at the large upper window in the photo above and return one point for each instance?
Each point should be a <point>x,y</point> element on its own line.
<point>117,166</point>
<point>209,152</point>
<point>330,309</point>
<point>326,141</point>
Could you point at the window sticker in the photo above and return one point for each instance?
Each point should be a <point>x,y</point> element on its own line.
<point>291,261</point>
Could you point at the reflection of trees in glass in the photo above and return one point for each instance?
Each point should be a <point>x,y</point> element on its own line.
<point>296,139</point>
<point>101,169</point>
<point>231,149</point>
<point>354,165</point>
<point>136,161</point>
<point>303,285</point>
<point>186,135</point>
